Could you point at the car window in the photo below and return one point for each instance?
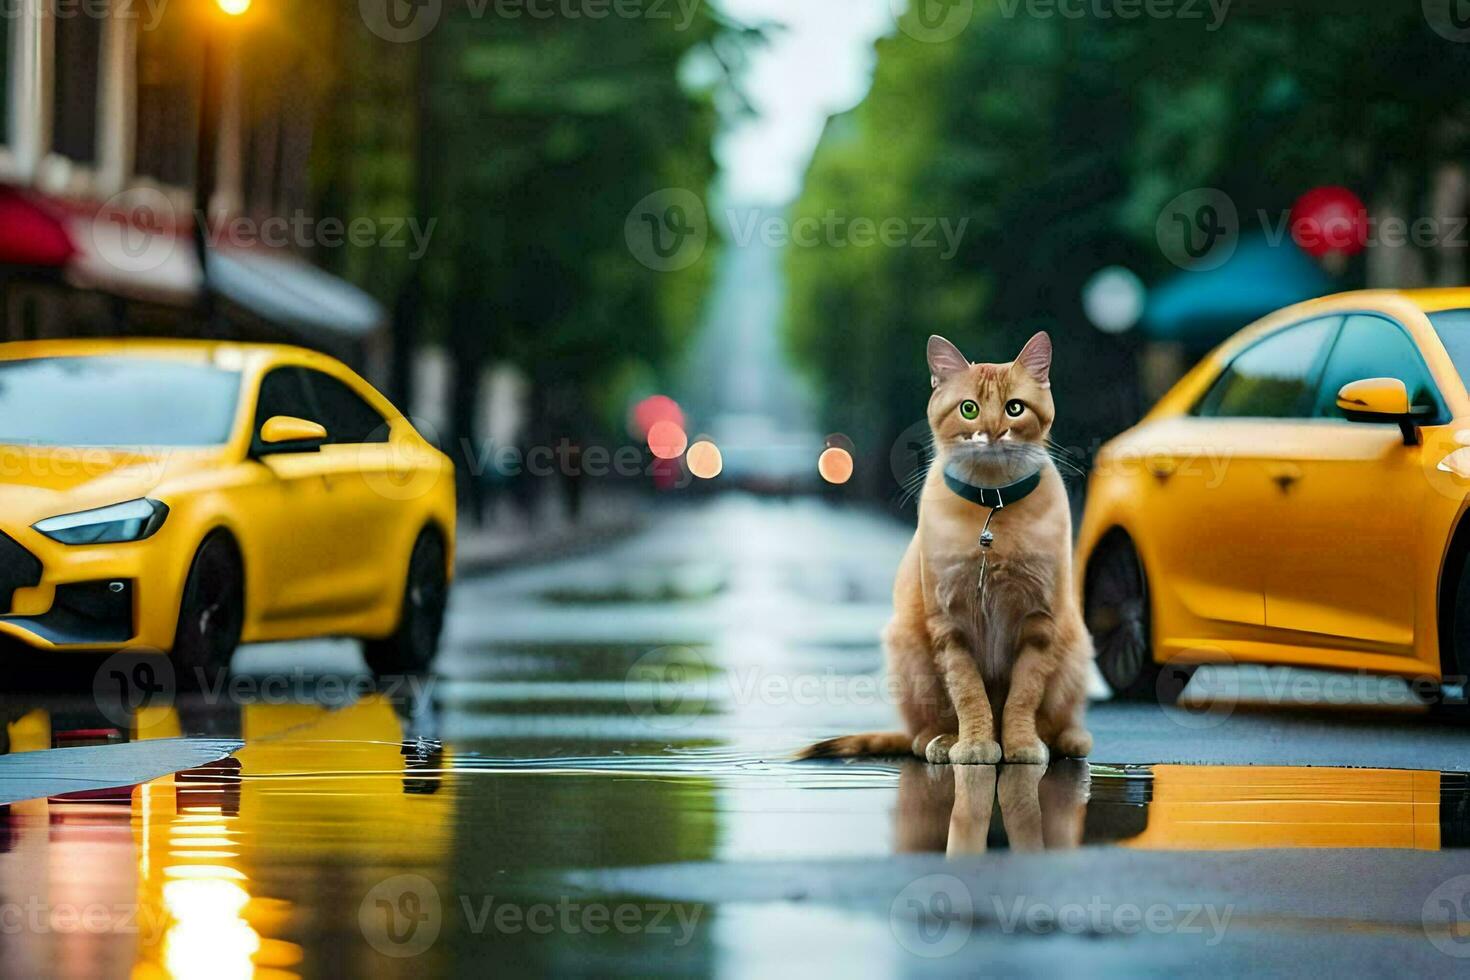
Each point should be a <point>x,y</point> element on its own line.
<point>282,392</point>
<point>1374,347</point>
<point>1274,378</point>
<point>1453,327</point>
<point>348,418</point>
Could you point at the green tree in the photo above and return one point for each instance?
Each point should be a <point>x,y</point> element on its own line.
<point>1059,141</point>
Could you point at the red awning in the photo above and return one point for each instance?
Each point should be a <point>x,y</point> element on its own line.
<point>32,231</point>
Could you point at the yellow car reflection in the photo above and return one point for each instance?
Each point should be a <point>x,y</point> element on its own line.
<point>970,809</point>
<point>189,496</point>
<point>1297,498</point>
<point>1208,808</point>
<point>316,798</point>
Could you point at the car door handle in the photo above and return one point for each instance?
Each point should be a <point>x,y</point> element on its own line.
<point>1284,475</point>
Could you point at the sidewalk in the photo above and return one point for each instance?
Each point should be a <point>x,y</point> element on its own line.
<point>510,539</point>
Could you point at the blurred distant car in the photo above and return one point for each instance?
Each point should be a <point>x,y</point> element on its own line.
<point>187,496</point>
<point>1298,498</point>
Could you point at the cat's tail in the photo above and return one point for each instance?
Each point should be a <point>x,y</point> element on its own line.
<point>847,746</point>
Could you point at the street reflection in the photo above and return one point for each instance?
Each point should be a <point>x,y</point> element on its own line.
<point>954,809</point>
<point>225,870</point>
<point>263,863</point>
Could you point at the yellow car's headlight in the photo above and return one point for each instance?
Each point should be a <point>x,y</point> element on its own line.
<point>130,521</point>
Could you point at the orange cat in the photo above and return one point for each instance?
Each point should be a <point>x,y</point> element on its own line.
<point>987,642</point>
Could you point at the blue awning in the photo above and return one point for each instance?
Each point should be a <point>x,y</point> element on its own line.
<point>286,291</point>
<point>1201,308</point>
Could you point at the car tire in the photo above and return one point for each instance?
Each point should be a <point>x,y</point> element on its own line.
<point>410,648</point>
<point>1116,606</point>
<point>211,614</point>
<point>1450,704</point>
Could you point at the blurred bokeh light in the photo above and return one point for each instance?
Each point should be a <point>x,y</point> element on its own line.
<point>704,460</point>
<point>835,465</point>
<point>667,440</point>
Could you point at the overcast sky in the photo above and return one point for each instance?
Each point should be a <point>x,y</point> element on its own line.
<point>821,64</point>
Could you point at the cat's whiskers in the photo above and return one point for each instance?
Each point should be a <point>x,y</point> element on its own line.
<point>1064,458</point>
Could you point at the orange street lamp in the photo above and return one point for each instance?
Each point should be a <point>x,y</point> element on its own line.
<point>234,8</point>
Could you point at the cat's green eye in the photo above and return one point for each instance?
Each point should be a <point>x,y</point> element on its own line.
<point>1015,408</point>
<point>969,409</point>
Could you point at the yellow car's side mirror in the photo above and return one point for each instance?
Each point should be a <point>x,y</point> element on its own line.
<point>1379,400</point>
<point>287,434</point>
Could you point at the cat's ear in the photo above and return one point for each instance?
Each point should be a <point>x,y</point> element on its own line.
<point>1035,358</point>
<point>944,359</point>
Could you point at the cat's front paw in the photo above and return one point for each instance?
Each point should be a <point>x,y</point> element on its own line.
<point>1031,753</point>
<point>937,751</point>
<point>974,752</point>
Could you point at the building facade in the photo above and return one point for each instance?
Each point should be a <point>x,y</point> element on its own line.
<point>100,230</point>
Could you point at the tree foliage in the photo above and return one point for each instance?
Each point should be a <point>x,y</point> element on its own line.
<point>1060,140</point>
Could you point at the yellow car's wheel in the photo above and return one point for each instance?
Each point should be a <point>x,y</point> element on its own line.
<point>1116,607</point>
<point>1455,652</point>
<point>211,613</point>
<point>410,649</point>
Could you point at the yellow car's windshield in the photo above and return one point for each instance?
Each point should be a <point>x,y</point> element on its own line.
<point>115,402</point>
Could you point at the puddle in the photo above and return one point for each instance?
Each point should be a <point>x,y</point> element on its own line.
<point>287,856</point>
<point>670,582</point>
<point>564,663</point>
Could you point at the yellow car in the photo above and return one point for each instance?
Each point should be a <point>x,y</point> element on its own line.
<point>188,496</point>
<point>1297,498</point>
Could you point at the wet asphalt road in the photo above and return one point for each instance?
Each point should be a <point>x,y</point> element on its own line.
<point>598,781</point>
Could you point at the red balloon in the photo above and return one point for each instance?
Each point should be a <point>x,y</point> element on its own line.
<point>1329,219</point>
